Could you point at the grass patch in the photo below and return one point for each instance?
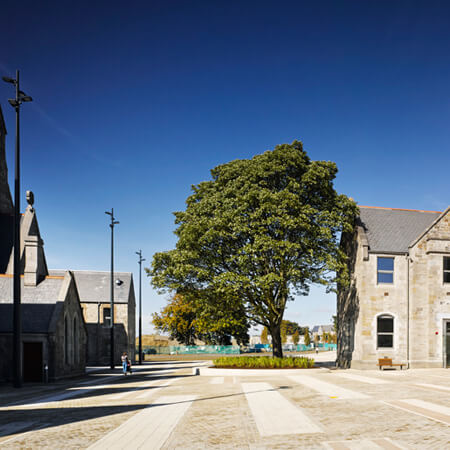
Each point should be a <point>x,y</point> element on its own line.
<point>264,362</point>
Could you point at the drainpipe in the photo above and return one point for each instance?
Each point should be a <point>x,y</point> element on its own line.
<point>408,260</point>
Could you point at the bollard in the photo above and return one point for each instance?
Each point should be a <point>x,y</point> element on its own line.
<point>196,371</point>
<point>46,373</point>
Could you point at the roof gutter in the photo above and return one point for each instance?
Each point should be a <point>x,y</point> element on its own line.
<point>408,260</point>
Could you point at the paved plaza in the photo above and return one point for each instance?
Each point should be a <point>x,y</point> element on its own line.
<point>163,405</point>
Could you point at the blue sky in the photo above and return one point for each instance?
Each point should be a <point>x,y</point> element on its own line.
<point>135,102</point>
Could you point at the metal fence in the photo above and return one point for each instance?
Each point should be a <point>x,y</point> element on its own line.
<point>192,350</point>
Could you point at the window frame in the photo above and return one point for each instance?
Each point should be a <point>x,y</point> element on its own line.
<point>444,270</point>
<point>385,333</point>
<point>106,324</point>
<point>382,271</point>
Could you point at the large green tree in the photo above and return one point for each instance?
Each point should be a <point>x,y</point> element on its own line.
<point>261,231</point>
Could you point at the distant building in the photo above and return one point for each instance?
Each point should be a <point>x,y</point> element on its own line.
<point>320,330</point>
<point>398,302</point>
<point>64,313</point>
<point>95,293</point>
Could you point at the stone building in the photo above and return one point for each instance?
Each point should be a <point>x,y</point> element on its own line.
<point>54,334</point>
<point>320,330</point>
<point>95,293</point>
<point>56,303</point>
<point>398,302</point>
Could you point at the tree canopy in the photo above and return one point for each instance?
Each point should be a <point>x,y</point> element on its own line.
<point>259,232</point>
<point>184,321</point>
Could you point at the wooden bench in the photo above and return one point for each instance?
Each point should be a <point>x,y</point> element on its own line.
<point>387,362</point>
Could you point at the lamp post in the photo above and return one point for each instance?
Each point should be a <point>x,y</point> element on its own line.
<point>17,317</point>
<point>139,253</point>
<point>113,222</point>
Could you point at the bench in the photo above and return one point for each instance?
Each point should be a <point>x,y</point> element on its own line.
<point>382,362</point>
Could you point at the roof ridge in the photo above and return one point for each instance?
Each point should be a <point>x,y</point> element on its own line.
<point>399,209</point>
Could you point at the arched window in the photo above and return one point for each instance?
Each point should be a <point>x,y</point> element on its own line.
<point>66,341</point>
<point>75,341</point>
<point>385,331</point>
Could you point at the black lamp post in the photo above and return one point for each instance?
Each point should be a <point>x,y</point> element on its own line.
<point>139,253</point>
<point>113,222</point>
<point>17,319</point>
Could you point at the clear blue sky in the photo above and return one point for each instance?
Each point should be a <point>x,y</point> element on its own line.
<point>136,101</point>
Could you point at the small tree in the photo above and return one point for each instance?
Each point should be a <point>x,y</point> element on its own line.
<point>178,319</point>
<point>283,332</point>
<point>264,336</point>
<point>296,337</point>
<point>307,337</point>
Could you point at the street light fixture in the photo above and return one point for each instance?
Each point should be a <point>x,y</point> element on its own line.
<point>141,259</point>
<point>113,222</point>
<point>21,97</point>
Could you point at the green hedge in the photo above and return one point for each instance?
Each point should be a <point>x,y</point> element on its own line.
<point>264,362</point>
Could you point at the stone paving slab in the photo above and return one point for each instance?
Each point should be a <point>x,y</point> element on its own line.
<point>162,405</point>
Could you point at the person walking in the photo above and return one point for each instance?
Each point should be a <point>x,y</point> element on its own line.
<point>125,363</point>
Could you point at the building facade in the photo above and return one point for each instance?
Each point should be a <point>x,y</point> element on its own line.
<point>54,334</point>
<point>398,302</point>
<point>95,294</point>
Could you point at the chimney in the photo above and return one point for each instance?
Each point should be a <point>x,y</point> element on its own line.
<point>35,265</point>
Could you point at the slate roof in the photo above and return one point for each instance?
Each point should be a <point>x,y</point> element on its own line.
<point>390,230</point>
<point>38,304</point>
<point>325,328</point>
<point>94,287</point>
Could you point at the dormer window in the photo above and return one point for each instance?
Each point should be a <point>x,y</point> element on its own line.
<point>446,269</point>
<point>385,270</point>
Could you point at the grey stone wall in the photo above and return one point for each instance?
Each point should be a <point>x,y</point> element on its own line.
<point>429,295</point>
<point>418,300</point>
<point>99,336</point>
<point>68,348</point>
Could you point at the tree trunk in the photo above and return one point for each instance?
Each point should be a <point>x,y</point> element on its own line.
<point>277,349</point>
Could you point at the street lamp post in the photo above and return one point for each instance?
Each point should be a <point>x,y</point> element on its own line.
<point>139,253</point>
<point>113,222</point>
<point>17,317</point>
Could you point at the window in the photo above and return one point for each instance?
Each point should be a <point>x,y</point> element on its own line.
<point>385,270</point>
<point>107,317</point>
<point>66,341</point>
<point>75,341</point>
<point>446,269</point>
<point>385,332</point>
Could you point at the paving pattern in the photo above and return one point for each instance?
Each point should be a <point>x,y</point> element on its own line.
<point>164,406</point>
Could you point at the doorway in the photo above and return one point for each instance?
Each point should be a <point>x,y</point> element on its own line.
<point>32,361</point>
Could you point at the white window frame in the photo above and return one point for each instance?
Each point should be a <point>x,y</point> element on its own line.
<point>385,333</point>
<point>444,271</point>
<point>386,271</point>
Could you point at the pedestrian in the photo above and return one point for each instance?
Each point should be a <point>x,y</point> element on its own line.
<point>125,363</point>
<point>129,366</point>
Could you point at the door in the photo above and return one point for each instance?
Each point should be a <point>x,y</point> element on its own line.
<point>32,361</point>
<point>447,343</point>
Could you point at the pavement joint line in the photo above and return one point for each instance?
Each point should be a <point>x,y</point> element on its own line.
<point>274,414</point>
<point>151,392</point>
<point>150,428</point>
<point>360,378</point>
<point>366,444</point>
<point>423,411</point>
<point>435,387</point>
<point>328,389</point>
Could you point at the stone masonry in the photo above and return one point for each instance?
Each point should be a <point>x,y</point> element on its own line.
<point>418,299</point>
